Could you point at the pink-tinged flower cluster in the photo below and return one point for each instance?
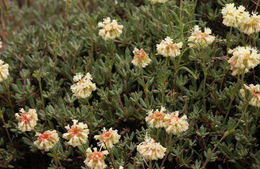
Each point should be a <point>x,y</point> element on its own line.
<point>254,91</point>
<point>169,49</point>
<point>151,150</point>
<point>110,29</point>
<point>203,39</point>
<point>77,134</point>
<point>107,138</point>
<point>83,86</point>
<point>46,140</point>
<point>27,120</point>
<point>176,124</point>
<point>156,119</point>
<point>95,159</point>
<point>141,58</point>
<point>243,59</point>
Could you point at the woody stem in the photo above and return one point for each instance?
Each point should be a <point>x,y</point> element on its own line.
<point>110,156</point>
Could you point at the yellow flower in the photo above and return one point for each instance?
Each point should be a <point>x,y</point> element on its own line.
<point>151,150</point>
<point>202,38</point>
<point>77,134</point>
<point>96,159</point>
<point>169,49</point>
<point>254,91</point>
<point>250,24</point>
<point>3,71</point>
<point>156,119</point>
<point>109,30</point>
<point>46,140</point>
<point>27,120</point>
<point>108,138</point>
<point>141,58</point>
<point>175,124</point>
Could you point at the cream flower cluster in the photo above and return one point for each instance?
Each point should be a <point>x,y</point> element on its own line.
<point>243,59</point>
<point>156,119</point>
<point>108,138</point>
<point>203,39</point>
<point>158,1</point>
<point>151,150</point>
<point>1,44</point>
<point>232,15</point>
<point>3,71</point>
<point>254,91</point>
<point>83,86</point>
<point>46,140</point>
<point>169,49</point>
<point>141,58</point>
<point>109,30</point>
<point>27,120</point>
<point>241,19</point>
<point>77,134</point>
<point>175,124</point>
<point>95,159</point>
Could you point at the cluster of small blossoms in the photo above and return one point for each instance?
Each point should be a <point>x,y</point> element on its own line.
<point>3,71</point>
<point>158,1</point>
<point>254,91</point>
<point>107,138</point>
<point>96,159</point>
<point>151,150</point>
<point>109,30</point>
<point>83,86</point>
<point>243,59</point>
<point>241,19</point>
<point>1,44</point>
<point>175,124</point>
<point>77,134</point>
<point>156,119</point>
<point>141,58</point>
<point>203,39</point>
<point>169,49</point>
<point>46,140</point>
<point>27,120</point>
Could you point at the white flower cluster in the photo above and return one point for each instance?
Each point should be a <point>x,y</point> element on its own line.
<point>46,140</point>
<point>96,159</point>
<point>169,49</point>
<point>109,30</point>
<point>1,44</point>
<point>241,19</point>
<point>3,71</point>
<point>77,134</point>
<point>158,1</point>
<point>243,59</point>
<point>141,58</point>
<point>156,119</point>
<point>203,39</point>
<point>254,91</point>
<point>151,150</point>
<point>27,120</point>
<point>83,86</point>
<point>108,138</point>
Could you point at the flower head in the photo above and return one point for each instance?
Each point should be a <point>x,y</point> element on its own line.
<point>27,120</point>
<point>3,71</point>
<point>1,44</point>
<point>83,86</point>
<point>202,38</point>
<point>175,124</point>
<point>250,24</point>
<point>77,134</point>
<point>108,138</point>
<point>243,59</point>
<point>151,150</point>
<point>254,91</point>
<point>109,30</point>
<point>169,49</point>
<point>158,1</point>
<point>141,58</point>
<point>46,140</point>
<point>156,118</point>
<point>96,159</point>
<point>232,16</point>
